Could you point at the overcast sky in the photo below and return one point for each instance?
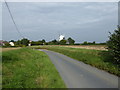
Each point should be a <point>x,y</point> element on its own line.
<point>83,21</point>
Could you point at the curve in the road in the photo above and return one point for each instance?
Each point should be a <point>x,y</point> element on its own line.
<point>76,74</point>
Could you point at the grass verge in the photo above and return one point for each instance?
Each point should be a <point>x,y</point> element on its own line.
<point>28,68</point>
<point>96,58</point>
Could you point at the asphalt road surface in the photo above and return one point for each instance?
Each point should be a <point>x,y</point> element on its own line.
<point>76,74</point>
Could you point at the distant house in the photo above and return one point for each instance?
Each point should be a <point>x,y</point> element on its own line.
<point>12,43</point>
<point>29,43</point>
<point>2,43</point>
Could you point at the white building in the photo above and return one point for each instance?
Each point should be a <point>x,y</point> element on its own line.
<point>61,37</point>
<point>12,43</point>
<point>29,43</point>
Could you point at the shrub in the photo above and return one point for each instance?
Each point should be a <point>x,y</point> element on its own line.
<point>63,42</point>
<point>114,45</point>
<point>71,41</point>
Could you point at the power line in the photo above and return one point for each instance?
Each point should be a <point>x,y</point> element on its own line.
<point>13,20</point>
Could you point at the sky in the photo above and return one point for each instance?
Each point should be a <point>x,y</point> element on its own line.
<point>0,21</point>
<point>119,13</point>
<point>82,21</point>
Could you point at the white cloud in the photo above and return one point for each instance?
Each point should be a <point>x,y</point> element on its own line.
<point>0,21</point>
<point>104,7</point>
<point>61,0</point>
<point>41,19</point>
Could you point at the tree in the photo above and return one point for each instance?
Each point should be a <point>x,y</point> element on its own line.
<point>18,42</point>
<point>43,41</point>
<point>25,41</point>
<point>71,41</point>
<point>114,45</point>
<point>7,44</point>
<point>11,41</point>
<point>94,43</point>
<point>85,43</point>
<point>53,42</point>
<point>39,42</point>
<point>63,42</point>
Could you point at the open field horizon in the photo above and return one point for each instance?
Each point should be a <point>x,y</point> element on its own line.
<point>95,47</point>
<point>60,44</point>
<point>19,57</point>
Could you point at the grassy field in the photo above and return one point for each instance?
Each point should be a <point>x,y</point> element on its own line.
<point>97,58</point>
<point>28,68</point>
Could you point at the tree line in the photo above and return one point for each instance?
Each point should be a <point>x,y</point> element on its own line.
<point>25,42</point>
<point>113,43</point>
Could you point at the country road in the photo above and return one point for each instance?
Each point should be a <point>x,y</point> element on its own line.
<point>76,74</point>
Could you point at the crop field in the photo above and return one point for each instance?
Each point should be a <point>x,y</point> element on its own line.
<point>97,58</point>
<point>28,68</point>
<point>95,47</point>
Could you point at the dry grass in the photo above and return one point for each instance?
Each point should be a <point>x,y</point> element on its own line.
<point>7,49</point>
<point>95,47</point>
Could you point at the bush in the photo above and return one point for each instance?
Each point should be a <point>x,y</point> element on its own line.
<point>25,41</point>
<point>71,41</point>
<point>114,45</point>
<point>63,42</point>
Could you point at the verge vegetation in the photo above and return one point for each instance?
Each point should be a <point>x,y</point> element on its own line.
<point>28,68</point>
<point>97,58</point>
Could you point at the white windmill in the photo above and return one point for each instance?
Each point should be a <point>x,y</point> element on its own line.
<point>61,37</point>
